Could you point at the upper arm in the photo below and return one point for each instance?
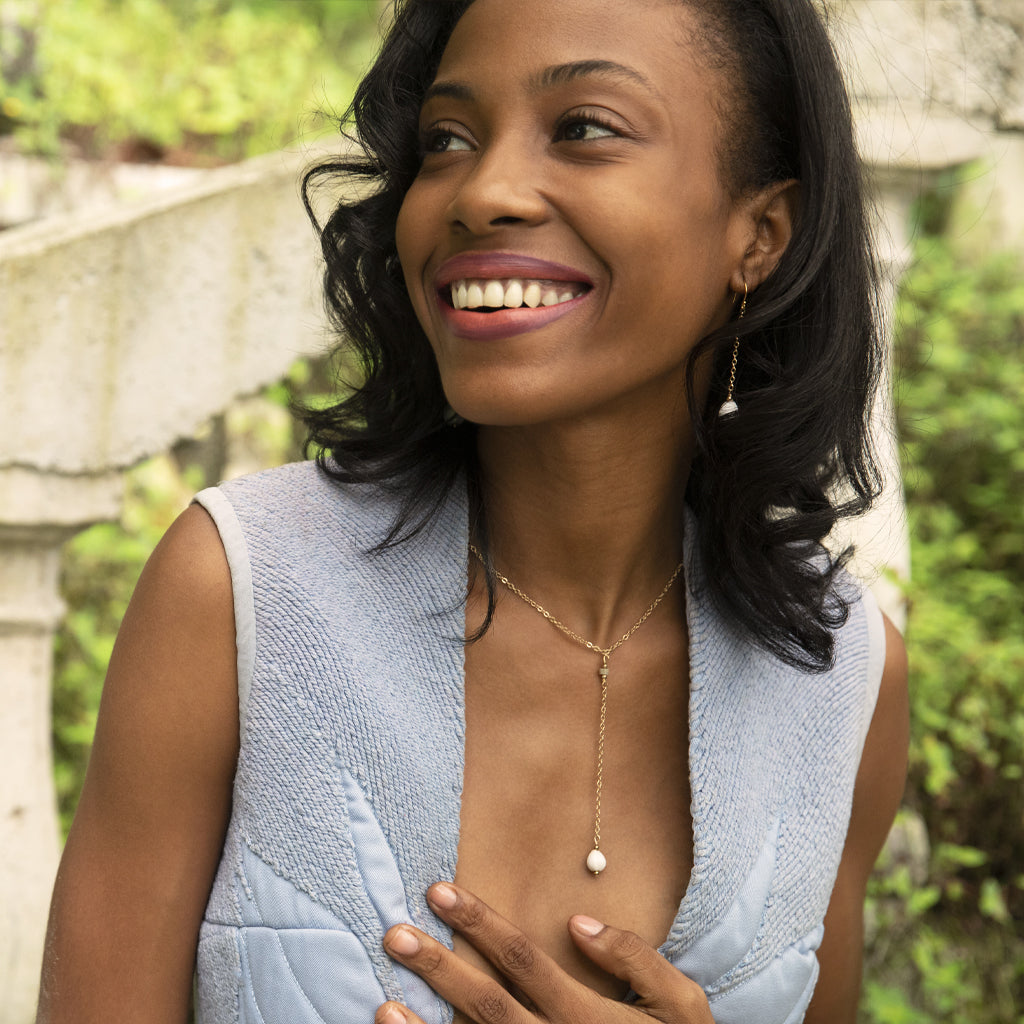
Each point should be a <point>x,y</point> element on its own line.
<point>877,793</point>
<point>146,839</point>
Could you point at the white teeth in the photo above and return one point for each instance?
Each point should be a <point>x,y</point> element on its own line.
<point>493,293</point>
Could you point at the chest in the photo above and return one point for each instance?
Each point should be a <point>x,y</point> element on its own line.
<point>534,756</point>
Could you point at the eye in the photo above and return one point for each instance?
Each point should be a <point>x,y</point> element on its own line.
<point>578,127</point>
<point>442,140</point>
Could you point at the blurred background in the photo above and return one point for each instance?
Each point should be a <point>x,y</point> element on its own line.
<point>149,158</point>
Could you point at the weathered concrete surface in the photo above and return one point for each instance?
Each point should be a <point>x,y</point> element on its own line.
<point>39,514</point>
<point>939,84</point>
<point>33,188</point>
<point>955,59</point>
<point>123,332</point>
<point>988,207</point>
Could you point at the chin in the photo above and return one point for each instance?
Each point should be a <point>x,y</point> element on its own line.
<point>504,407</point>
<point>493,414</point>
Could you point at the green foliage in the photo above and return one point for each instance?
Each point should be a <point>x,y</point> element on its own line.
<point>931,958</point>
<point>226,78</point>
<point>961,351</point>
<point>947,949</point>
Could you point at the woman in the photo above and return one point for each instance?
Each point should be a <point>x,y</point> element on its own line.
<point>612,295</point>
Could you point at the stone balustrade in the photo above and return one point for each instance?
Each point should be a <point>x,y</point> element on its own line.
<point>120,332</point>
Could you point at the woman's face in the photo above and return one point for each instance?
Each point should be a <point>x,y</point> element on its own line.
<point>568,239</point>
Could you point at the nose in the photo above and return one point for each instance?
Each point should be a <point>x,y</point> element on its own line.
<point>502,188</point>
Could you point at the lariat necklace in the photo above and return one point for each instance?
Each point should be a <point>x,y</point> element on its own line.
<point>596,860</point>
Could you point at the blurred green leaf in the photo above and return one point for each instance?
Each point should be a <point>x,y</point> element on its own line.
<point>227,79</point>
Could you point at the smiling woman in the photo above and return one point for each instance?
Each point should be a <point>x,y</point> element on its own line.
<point>576,159</point>
<point>540,621</point>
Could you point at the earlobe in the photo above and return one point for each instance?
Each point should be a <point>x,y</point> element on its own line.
<point>772,218</point>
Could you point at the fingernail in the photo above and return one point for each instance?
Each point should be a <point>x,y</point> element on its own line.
<point>443,895</point>
<point>586,925</point>
<point>390,1014</point>
<point>403,941</point>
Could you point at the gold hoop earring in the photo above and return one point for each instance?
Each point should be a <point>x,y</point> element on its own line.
<point>729,406</point>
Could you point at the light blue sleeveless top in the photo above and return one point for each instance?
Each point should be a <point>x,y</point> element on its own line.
<point>346,797</point>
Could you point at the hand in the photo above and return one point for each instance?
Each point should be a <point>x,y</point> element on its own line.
<point>665,994</point>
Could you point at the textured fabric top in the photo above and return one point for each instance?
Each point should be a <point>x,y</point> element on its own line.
<point>347,791</point>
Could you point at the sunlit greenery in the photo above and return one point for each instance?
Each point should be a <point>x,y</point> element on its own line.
<point>954,944</point>
<point>203,79</point>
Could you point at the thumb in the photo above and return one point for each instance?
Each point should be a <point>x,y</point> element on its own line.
<point>663,990</point>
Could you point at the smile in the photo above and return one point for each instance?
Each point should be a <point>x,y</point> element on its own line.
<point>512,293</point>
<point>487,296</point>
<point>487,322</point>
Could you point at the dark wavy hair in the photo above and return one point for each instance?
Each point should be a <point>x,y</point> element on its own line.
<point>768,484</point>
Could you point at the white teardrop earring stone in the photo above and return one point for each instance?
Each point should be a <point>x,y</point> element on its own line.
<point>596,862</point>
<point>728,408</point>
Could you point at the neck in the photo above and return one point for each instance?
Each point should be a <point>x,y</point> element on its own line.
<point>586,520</point>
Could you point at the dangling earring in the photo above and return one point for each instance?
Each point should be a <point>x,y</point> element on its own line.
<point>729,407</point>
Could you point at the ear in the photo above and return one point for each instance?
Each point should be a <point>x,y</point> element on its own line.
<point>769,216</point>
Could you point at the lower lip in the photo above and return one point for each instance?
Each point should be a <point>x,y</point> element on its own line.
<point>504,323</point>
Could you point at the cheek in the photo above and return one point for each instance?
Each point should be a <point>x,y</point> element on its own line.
<point>406,233</point>
<point>413,246</point>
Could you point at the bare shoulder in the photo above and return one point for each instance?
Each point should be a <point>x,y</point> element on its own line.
<point>146,840</point>
<point>879,788</point>
<point>883,766</point>
<point>176,644</point>
<point>185,583</point>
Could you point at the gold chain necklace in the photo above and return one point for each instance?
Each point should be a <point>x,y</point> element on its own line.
<point>596,861</point>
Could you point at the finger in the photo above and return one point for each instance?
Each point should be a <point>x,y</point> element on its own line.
<point>395,1013</point>
<point>468,989</point>
<point>515,954</point>
<point>662,989</point>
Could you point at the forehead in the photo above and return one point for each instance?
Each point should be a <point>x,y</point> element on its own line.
<point>504,41</point>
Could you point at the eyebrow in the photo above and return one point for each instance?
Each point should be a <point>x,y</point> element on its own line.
<point>548,78</point>
<point>561,74</point>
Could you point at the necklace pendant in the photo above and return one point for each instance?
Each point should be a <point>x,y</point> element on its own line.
<point>596,860</point>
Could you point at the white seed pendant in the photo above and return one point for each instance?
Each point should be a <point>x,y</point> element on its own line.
<point>728,408</point>
<point>596,862</point>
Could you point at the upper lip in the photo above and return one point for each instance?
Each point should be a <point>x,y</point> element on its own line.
<point>499,265</point>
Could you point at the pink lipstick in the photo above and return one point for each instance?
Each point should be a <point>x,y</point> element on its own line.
<point>505,264</point>
<point>472,290</point>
